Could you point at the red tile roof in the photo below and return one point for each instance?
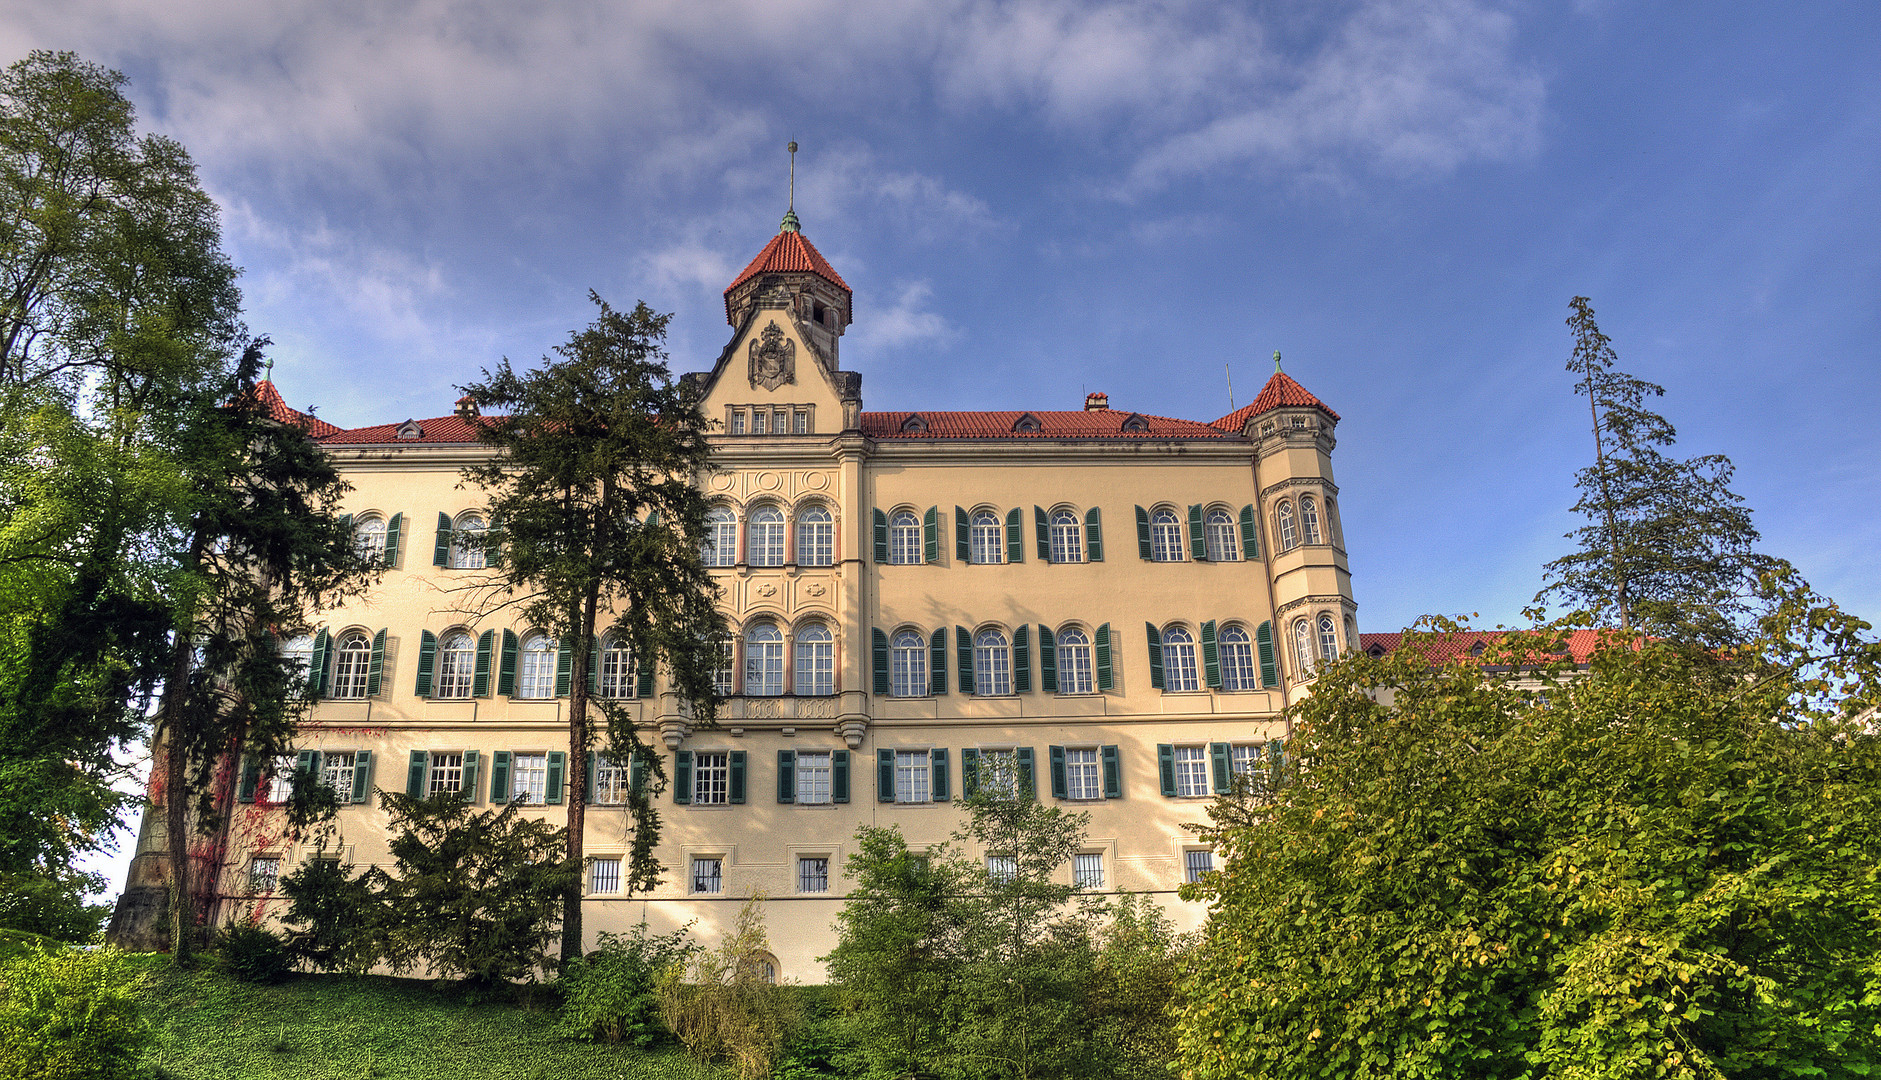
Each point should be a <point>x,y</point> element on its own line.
<point>1467,644</point>
<point>440,429</point>
<point>1065,424</point>
<point>788,252</point>
<point>1281,392</point>
<point>279,411</point>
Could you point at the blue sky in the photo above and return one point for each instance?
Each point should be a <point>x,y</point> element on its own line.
<point>1034,198</point>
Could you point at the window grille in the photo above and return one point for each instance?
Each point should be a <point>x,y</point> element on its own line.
<point>813,874</point>
<point>1087,871</point>
<point>1197,863</point>
<point>604,876</point>
<point>707,876</point>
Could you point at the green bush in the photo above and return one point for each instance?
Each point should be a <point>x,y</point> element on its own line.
<point>609,994</point>
<point>70,1015</point>
<point>254,954</point>
<point>731,1011</point>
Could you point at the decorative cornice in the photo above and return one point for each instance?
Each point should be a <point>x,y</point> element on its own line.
<point>1344,603</point>
<point>1320,482</point>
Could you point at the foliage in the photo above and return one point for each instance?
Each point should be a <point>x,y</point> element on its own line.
<point>598,517</point>
<point>334,921</point>
<point>1668,546</point>
<point>52,904</point>
<point>1664,866</point>
<point>610,994</point>
<point>731,1009</point>
<point>254,953</point>
<point>67,1014</point>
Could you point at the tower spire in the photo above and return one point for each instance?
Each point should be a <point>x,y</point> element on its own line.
<point>790,213</point>
<point>1276,361</point>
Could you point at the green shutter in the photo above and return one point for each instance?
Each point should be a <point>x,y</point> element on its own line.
<point>1061,788</point>
<point>930,536</point>
<point>963,547</point>
<point>1219,757</point>
<point>963,648</point>
<point>1143,535</point>
<point>470,774</point>
<point>415,774</point>
<point>394,533</point>
<point>587,778</point>
<point>441,555</point>
<point>1028,776</point>
<point>878,649</point>
<point>884,776</point>
<point>1113,773</point>
<point>1021,659</point>
<point>839,776</point>
<point>558,766</point>
<point>1105,680</point>
<point>594,665</point>
<point>362,776</point>
<point>564,667</point>
<point>1198,536</point>
<point>499,777</point>
<point>881,537</point>
<point>317,665</point>
<point>346,522</point>
<point>637,774</point>
<point>493,541</point>
<point>306,764</point>
<point>480,682</point>
<point>1043,527</point>
<point>375,670</point>
<point>736,794</point>
<point>969,773</point>
<point>1264,638</point>
<point>1093,535</point>
<point>643,678</point>
<point>937,662</point>
<point>1015,536</point>
<point>427,661</point>
<point>1155,655</point>
<point>1166,765</point>
<point>1250,534</point>
<point>938,775</point>
<point>682,776</point>
<point>786,776</point>
<point>1211,655</point>
<point>506,666</point>
<point>1047,660</point>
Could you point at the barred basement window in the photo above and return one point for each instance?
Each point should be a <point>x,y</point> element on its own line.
<point>1197,863</point>
<point>711,779</point>
<point>813,874</point>
<point>1087,871</point>
<point>1002,869</point>
<point>604,876</point>
<point>707,876</point>
<point>264,873</point>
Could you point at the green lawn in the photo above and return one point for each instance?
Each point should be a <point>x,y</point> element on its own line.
<point>316,1027</point>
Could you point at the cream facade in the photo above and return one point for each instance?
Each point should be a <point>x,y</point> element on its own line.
<point>1120,605</point>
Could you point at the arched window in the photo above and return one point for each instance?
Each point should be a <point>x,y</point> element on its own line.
<point>723,665</point>
<point>764,537</point>
<point>535,668</point>
<point>1074,661</point>
<point>1303,647</point>
<point>1165,536</point>
<point>816,660</point>
<point>816,538</point>
<point>764,661</point>
<point>1328,638</point>
<point>1221,537</point>
<point>466,542</point>
<point>1289,533</point>
<point>617,667</point>
<point>992,664</point>
<point>350,663</point>
<point>1179,660</point>
<point>1309,519</point>
<point>721,537</point>
<point>1237,660</point>
<point>299,652</point>
<point>904,538</point>
<point>907,665</point>
<point>1333,532</point>
<point>989,538</point>
<point>457,665</point>
<point>369,538</point>
<point>1067,537</point>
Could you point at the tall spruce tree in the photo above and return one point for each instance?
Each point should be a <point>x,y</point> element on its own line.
<point>1668,549</point>
<point>599,522</point>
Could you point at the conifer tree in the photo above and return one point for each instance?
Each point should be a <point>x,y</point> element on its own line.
<point>597,519</point>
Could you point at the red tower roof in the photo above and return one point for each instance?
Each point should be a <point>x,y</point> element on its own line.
<point>1281,392</point>
<point>788,252</point>
<point>278,410</point>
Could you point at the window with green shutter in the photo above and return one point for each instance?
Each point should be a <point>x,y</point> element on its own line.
<point>1264,642</point>
<point>1155,655</point>
<point>1047,660</point>
<point>885,776</point>
<point>362,776</point>
<point>317,666</point>
<point>564,667</point>
<point>682,776</point>
<point>1250,534</point>
<point>963,537</point>
<point>1042,527</point>
<point>480,675</point>
<point>939,775</point>
<point>969,772</point>
<point>963,649</point>
<point>737,785</point>
<point>441,555</point>
<point>1015,536</point>
<point>1060,786</point>
<point>1093,535</point>
<point>427,662</point>
<point>937,661</point>
<point>1166,767</point>
<point>1222,767</point>
<point>1022,659</point>
<point>1144,549</point>
<point>417,773</point>
<point>394,536</point>
<point>1028,775</point>
<point>1198,535</point>
<point>1211,655</point>
<point>558,769</point>
<point>930,535</point>
<point>839,776</point>
<point>375,668</point>
<point>881,536</point>
<point>499,777</point>
<point>878,657</point>
<point>506,666</point>
<point>1106,680</point>
<point>1113,772</point>
<point>786,776</point>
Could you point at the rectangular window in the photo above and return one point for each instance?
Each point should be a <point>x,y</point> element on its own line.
<point>281,782</point>
<point>999,773</point>
<point>1002,869</point>
<point>1245,758</point>
<point>604,876</point>
<point>1082,778</point>
<point>722,668</point>
<point>800,424</point>
<point>759,420</point>
<point>1196,863</point>
<point>738,422</point>
<point>1192,771</point>
<point>447,774</point>
<point>813,874</point>
<point>610,782</point>
<point>912,776</point>
<point>336,772</point>
<point>1087,872</point>
<point>707,875</point>
<point>264,872</point>
<point>529,778</point>
<point>711,779</point>
<point>813,777</point>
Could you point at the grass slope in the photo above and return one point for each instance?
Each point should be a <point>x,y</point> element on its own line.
<point>316,1027</point>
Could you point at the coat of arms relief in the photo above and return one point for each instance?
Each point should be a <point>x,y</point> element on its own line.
<point>773,359</point>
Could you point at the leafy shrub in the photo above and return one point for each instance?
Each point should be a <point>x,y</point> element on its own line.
<point>70,1015</point>
<point>731,1010</point>
<point>609,994</point>
<point>334,921</point>
<point>254,954</point>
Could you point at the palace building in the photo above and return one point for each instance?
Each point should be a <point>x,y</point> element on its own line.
<point>1113,605</point>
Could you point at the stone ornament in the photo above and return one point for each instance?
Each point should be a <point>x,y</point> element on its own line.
<point>773,359</point>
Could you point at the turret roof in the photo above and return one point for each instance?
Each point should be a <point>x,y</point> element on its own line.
<point>788,252</point>
<point>279,411</point>
<point>1281,392</point>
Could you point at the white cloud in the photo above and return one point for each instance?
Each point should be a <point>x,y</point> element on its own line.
<point>904,322</point>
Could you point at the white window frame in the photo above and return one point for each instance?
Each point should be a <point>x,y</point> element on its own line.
<point>1223,541</point>
<point>352,662</point>
<point>813,773</point>
<point>711,778</point>
<point>987,539</point>
<point>468,554</point>
<point>999,772</point>
<point>816,536</point>
<point>906,546</point>
<point>280,780</point>
<point>611,781</point>
<point>1328,638</point>
<point>907,665</point>
<point>764,660</point>
<point>1077,674</point>
<point>529,779</point>
<point>764,536</point>
<point>1283,518</point>
<point>992,663</point>
<point>1238,668</point>
<point>724,673</point>
<point>336,771</point>
<point>1180,673</point>
<point>1191,764</point>
<point>369,533</point>
<point>815,656</point>
<point>457,666</point>
<point>914,776</point>
<point>1067,537</point>
<point>1084,774</point>
<point>535,668</point>
<point>721,537</point>
<point>1303,645</point>
<point>618,672</point>
<point>1166,536</point>
<point>1309,520</point>
<point>445,774</point>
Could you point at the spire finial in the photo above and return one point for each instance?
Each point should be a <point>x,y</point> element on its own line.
<point>267,372</point>
<point>1276,361</point>
<point>790,213</point>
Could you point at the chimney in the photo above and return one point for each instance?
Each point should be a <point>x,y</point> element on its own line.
<point>467,407</point>
<point>1096,402</point>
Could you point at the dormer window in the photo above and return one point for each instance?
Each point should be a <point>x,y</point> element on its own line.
<point>1376,652</point>
<point>1135,422</point>
<point>410,429</point>
<point>914,425</point>
<point>1025,425</point>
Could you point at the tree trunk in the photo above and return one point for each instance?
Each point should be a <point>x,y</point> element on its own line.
<point>578,740</point>
<point>175,782</point>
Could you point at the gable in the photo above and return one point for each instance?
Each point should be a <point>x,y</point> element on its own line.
<point>770,368</point>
